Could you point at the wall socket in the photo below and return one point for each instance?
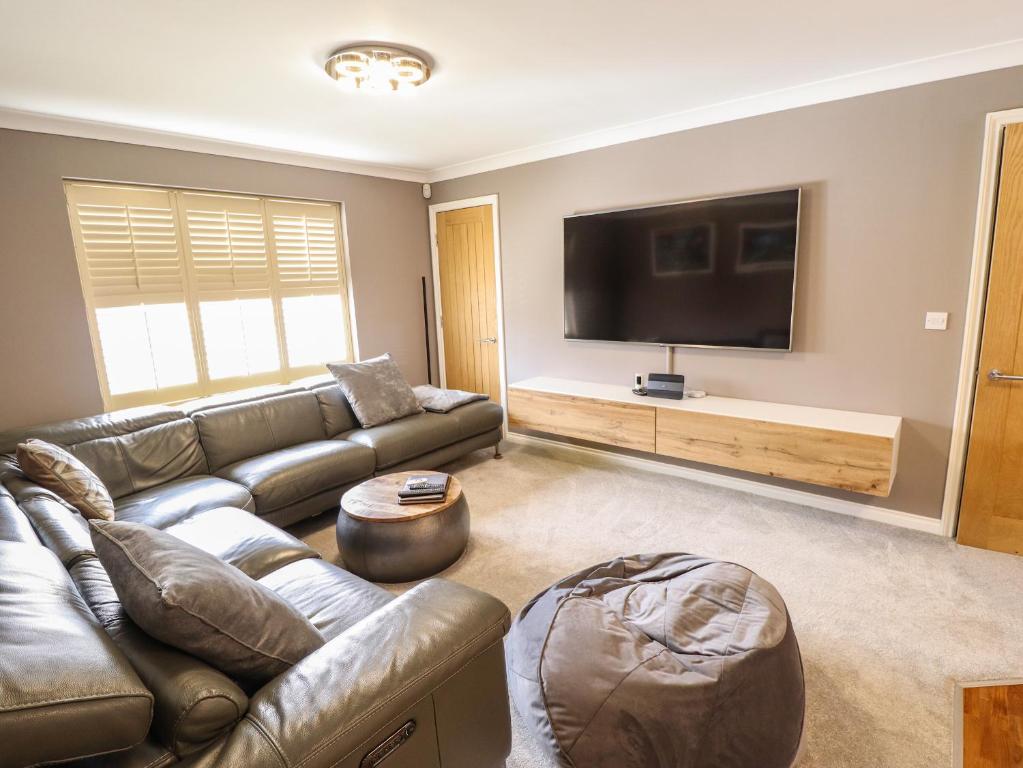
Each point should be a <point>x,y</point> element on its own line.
<point>936,321</point>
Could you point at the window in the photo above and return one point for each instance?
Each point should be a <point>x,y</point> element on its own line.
<point>192,293</point>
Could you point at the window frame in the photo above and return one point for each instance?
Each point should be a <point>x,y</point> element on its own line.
<point>204,385</point>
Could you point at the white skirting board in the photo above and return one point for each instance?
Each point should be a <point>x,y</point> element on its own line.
<point>805,498</point>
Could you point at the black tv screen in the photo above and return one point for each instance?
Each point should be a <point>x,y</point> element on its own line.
<point>716,273</point>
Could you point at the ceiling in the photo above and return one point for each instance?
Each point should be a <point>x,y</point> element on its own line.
<point>512,81</point>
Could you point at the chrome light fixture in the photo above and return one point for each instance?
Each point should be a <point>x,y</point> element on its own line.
<point>377,68</point>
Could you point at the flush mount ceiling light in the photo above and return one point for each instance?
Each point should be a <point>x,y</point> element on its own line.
<point>377,68</point>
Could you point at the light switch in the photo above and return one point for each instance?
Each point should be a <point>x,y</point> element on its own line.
<point>936,321</point>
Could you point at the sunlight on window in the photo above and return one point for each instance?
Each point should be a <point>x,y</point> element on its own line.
<point>240,337</point>
<point>146,347</point>
<point>193,293</point>
<point>314,329</point>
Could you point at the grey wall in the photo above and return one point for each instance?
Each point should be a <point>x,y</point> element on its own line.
<point>890,197</point>
<point>46,363</point>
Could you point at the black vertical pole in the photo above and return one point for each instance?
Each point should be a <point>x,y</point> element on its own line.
<point>426,329</point>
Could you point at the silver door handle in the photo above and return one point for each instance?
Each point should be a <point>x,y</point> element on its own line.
<point>996,375</point>
<point>489,340</point>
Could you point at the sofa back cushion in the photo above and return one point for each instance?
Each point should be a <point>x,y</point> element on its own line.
<point>61,529</point>
<point>235,432</point>
<point>194,703</point>
<point>14,526</point>
<point>148,457</point>
<point>74,431</point>
<point>101,705</point>
<point>334,408</point>
<point>130,451</point>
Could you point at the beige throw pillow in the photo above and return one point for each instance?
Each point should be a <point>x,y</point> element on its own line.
<point>56,470</point>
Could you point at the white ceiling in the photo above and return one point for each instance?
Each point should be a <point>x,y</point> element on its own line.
<point>513,80</point>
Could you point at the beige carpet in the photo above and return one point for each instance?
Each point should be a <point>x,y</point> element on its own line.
<point>888,619</point>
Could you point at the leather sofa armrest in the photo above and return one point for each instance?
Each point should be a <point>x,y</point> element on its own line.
<point>329,709</point>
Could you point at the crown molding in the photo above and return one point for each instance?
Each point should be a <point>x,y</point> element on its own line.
<point>90,129</point>
<point>916,72</point>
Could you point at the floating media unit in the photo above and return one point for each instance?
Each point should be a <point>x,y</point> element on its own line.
<point>839,449</point>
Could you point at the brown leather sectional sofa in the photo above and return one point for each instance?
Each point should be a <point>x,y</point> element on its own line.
<point>80,682</point>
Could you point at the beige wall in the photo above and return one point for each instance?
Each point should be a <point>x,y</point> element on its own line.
<point>46,358</point>
<point>890,186</point>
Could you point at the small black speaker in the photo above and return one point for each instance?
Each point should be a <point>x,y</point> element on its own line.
<point>669,385</point>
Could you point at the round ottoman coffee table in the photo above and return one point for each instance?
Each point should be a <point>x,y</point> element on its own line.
<point>384,541</point>
<point>659,661</point>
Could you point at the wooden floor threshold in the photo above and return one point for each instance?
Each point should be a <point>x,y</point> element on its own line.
<point>989,724</point>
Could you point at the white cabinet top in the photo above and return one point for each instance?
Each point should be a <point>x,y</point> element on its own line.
<point>779,413</point>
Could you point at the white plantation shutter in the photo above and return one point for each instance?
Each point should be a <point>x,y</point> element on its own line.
<point>307,243</point>
<point>227,250</point>
<point>129,242</point>
<point>135,283</point>
<point>227,242</point>
<point>192,293</point>
<point>308,257</point>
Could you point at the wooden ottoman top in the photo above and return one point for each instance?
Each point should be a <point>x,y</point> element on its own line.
<point>376,500</point>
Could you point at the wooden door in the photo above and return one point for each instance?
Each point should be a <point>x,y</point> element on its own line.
<point>991,511</point>
<point>468,300</point>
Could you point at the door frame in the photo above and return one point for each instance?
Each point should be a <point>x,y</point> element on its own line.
<point>987,198</point>
<point>454,205</point>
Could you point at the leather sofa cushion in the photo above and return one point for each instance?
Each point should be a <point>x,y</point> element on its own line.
<point>91,696</point>
<point>92,427</point>
<point>146,458</point>
<point>130,451</point>
<point>290,475</point>
<point>476,418</point>
<point>195,703</point>
<point>9,468</point>
<point>235,397</point>
<point>14,526</point>
<point>171,503</point>
<point>191,600</point>
<point>235,432</point>
<point>434,642</point>
<point>330,597</point>
<point>148,754</point>
<point>337,413</point>
<point>407,438</point>
<point>449,453</point>
<point>56,470</point>
<point>251,545</point>
<point>62,530</point>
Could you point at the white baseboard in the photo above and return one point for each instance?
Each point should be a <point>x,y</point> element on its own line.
<point>805,498</point>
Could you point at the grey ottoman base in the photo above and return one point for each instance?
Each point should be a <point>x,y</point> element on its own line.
<point>659,661</point>
<point>407,550</point>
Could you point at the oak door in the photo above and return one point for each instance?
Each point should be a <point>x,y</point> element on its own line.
<point>991,510</point>
<point>468,300</point>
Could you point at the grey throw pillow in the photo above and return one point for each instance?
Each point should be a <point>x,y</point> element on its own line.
<point>376,390</point>
<point>189,599</point>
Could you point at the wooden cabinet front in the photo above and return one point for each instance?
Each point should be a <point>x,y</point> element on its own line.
<point>852,461</point>
<point>599,421</point>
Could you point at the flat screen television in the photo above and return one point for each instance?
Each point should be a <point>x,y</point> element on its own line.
<point>706,273</point>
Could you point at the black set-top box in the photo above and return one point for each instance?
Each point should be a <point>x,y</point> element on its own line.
<point>669,385</point>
